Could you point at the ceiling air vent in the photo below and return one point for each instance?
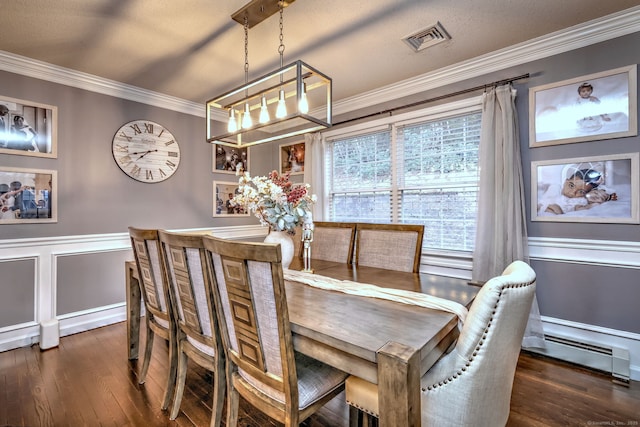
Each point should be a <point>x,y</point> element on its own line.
<point>427,37</point>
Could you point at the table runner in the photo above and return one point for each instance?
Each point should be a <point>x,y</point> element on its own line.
<point>369,290</point>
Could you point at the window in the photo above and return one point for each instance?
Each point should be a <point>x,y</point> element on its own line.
<point>415,170</point>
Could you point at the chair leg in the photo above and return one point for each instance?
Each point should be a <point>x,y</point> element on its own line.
<point>180,379</point>
<point>171,377</point>
<point>293,420</point>
<point>147,353</point>
<point>233,401</point>
<point>219,387</point>
<point>355,417</point>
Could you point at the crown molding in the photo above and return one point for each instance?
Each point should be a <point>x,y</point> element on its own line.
<point>42,70</point>
<point>582,35</point>
<point>598,30</point>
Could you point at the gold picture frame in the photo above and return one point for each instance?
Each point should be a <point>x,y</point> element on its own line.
<point>223,192</point>
<point>28,128</point>
<point>28,195</point>
<point>292,158</point>
<point>230,160</point>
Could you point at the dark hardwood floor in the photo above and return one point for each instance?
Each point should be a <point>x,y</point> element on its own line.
<point>88,381</point>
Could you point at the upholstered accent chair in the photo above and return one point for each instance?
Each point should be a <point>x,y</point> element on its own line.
<point>333,241</point>
<point>471,385</point>
<point>197,332</point>
<point>389,246</point>
<point>155,295</point>
<point>262,365</point>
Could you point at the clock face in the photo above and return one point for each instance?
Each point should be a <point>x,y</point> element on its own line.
<point>146,151</point>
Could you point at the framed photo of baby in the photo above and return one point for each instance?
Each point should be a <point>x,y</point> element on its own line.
<point>292,158</point>
<point>587,108</point>
<point>223,194</point>
<point>28,196</point>
<point>28,128</point>
<point>602,189</point>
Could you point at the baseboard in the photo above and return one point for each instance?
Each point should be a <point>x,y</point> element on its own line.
<point>613,351</point>
<point>22,335</point>
<point>91,319</point>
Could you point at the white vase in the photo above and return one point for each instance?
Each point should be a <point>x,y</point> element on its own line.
<point>286,245</point>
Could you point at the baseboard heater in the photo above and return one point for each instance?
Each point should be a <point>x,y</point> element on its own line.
<point>612,360</point>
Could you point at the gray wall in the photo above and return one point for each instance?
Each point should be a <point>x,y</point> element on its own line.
<point>17,292</point>
<point>94,195</point>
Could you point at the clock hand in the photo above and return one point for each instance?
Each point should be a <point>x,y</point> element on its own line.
<point>147,152</point>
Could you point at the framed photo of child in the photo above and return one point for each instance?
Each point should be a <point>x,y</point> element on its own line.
<point>602,189</point>
<point>292,158</point>
<point>28,128</point>
<point>223,193</point>
<point>587,108</point>
<point>28,196</point>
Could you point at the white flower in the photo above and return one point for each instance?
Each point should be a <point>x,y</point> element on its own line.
<point>274,200</point>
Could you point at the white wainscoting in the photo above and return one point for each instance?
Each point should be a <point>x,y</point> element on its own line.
<point>616,254</point>
<point>46,251</point>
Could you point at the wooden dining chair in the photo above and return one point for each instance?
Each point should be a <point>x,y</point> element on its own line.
<point>471,385</point>
<point>333,241</point>
<point>389,246</point>
<point>155,295</point>
<point>262,365</point>
<point>197,332</point>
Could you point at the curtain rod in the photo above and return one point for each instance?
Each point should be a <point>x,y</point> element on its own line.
<point>437,98</point>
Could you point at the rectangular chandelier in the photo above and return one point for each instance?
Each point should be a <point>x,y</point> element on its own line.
<point>292,100</point>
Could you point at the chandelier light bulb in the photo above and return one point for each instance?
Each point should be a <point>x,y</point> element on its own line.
<point>264,112</point>
<point>246,117</point>
<point>232,125</point>
<point>281,111</point>
<point>303,107</point>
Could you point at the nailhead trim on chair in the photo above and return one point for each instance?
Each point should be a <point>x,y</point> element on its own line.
<point>365,410</point>
<point>475,351</point>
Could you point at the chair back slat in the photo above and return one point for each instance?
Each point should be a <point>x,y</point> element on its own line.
<point>151,270</point>
<point>189,286</point>
<point>389,246</point>
<point>333,241</point>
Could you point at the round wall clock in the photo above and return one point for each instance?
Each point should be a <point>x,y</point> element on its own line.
<point>146,151</point>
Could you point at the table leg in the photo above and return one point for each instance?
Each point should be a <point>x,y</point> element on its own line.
<point>133,309</point>
<point>399,386</point>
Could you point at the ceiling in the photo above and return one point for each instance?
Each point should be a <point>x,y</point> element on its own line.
<point>193,50</point>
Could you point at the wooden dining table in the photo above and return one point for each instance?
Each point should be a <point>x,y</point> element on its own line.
<point>388,343</point>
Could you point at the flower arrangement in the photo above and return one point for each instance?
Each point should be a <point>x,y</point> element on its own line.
<point>275,200</point>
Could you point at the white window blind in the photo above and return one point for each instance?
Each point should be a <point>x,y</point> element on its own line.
<point>437,179</point>
<point>424,172</point>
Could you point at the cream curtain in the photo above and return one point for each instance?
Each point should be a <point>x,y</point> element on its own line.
<point>501,235</point>
<point>313,170</point>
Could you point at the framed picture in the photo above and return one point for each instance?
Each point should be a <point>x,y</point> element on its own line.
<point>28,128</point>
<point>28,195</point>
<point>588,108</point>
<point>230,160</point>
<point>588,189</point>
<point>223,192</point>
<point>292,158</point>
